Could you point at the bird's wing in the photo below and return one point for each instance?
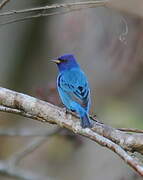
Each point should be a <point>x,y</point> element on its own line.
<point>76,86</point>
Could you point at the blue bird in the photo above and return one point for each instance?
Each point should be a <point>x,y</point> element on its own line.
<point>73,87</point>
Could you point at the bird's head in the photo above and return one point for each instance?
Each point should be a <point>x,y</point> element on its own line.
<point>66,62</point>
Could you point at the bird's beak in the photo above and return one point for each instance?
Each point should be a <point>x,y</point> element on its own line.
<point>56,61</point>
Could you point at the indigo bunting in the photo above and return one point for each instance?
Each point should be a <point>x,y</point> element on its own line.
<point>73,87</point>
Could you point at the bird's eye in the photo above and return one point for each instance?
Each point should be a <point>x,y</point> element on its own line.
<point>65,60</point>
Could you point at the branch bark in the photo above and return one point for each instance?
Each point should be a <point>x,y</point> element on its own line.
<point>117,141</point>
<point>76,5</point>
<point>44,11</point>
<point>3,3</point>
<point>128,6</point>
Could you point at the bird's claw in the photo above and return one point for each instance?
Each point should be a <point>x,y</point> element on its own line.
<point>94,118</point>
<point>66,111</point>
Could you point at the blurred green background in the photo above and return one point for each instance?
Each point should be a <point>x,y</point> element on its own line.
<point>108,45</point>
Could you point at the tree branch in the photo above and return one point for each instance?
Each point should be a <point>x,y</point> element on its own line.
<point>76,5</point>
<point>128,6</point>
<point>23,132</point>
<point>3,3</point>
<point>115,140</point>
<point>131,130</point>
<point>43,11</point>
<point>36,16</point>
<point>30,147</point>
<point>10,168</point>
<point>16,172</point>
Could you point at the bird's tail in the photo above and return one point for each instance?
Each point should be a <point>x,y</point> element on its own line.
<point>85,121</point>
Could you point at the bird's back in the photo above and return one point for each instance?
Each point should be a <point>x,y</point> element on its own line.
<point>75,76</point>
<point>73,83</point>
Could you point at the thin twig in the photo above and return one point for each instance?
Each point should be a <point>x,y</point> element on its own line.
<point>34,16</point>
<point>131,130</point>
<point>19,173</point>
<point>3,3</point>
<point>9,167</point>
<point>43,13</point>
<point>30,147</point>
<point>117,149</point>
<point>23,132</point>
<point>89,4</point>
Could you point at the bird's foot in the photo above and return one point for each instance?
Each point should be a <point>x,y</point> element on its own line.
<point>94,118</point>
<point>67,111</point>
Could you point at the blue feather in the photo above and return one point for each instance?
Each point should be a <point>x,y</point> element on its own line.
<point>73,88</point>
